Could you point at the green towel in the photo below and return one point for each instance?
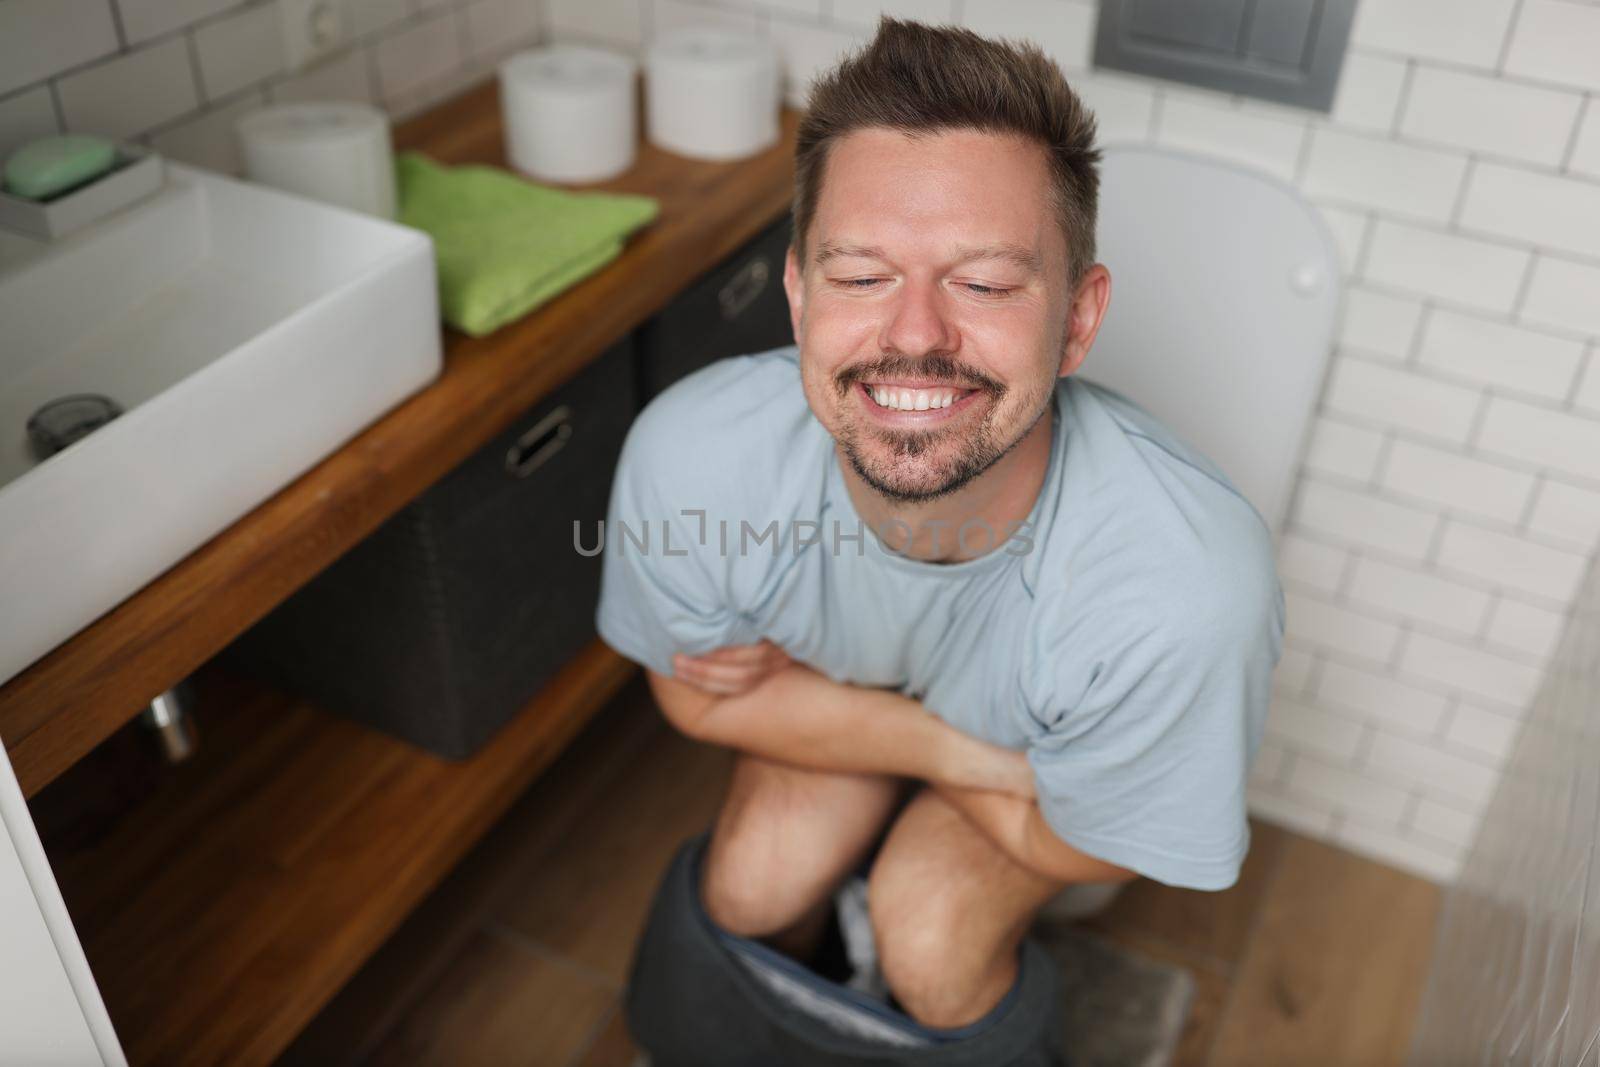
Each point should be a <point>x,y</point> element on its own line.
<point>506,245</point>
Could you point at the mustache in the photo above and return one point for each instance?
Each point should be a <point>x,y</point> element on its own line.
<point>939,368</point>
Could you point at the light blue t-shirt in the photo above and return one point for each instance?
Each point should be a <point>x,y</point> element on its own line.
<point>1125,637</point>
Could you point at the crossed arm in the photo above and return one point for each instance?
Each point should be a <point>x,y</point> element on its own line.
<point>754,698</point>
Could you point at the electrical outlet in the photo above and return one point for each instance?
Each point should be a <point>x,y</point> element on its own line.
<point>311,30</point>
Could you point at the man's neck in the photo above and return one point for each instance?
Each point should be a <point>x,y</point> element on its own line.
<point>994,504</point>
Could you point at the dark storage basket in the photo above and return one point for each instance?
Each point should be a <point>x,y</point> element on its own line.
<point>737,308</point>
<point>454,613</point>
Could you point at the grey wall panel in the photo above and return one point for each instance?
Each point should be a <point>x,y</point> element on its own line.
<point>1286,51</point>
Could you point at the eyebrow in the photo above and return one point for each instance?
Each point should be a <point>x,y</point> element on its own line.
<point>1015,254</point>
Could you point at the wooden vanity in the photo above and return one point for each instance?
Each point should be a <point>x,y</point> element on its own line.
<point>232,905</point>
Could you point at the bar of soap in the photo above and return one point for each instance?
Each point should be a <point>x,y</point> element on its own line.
<point>52,165</point>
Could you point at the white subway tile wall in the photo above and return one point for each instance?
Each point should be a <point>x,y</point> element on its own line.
<point>1561,295</point>
<point>1517,626</point>
<point>1380,323</point>
<point>1546,210</point>
<point>1465,32</point>
<point>1585,154</point>
<point>1402,398</point>
<point>1066,35</point>
<point>1566,512</point>
<point>1378,173</point>
<point>177,74</point>
<point>676,14</point>
<point>207,140</point>
<point>618,23</point>
<point>419,55</point>
<point>1501,354</point>
<point>1340,448</point>
<point>1322,567</point>
<point>1450,487</point>
<point>343,78</point>
<point>363,18</point>
<point>144,19</point>
<point>1490,115</point>
<point>28,114</point>
<point>133,92</point>
<point>1369,91</point>
<point>866,12</point>
<point>41,38</point>
<point>242,49</point>
<point>1553,41</point>
<point>1428,261</point>
<point>1349,229</point>
<point>1206,125</point>
<point>1376,698</point>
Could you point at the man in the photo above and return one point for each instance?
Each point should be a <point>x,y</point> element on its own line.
<point>962,613</point>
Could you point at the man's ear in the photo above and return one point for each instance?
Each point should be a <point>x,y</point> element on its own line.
<point>794,287</point>
<point>1087,312</point>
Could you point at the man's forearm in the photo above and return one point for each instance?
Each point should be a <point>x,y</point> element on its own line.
<point>796,715</point>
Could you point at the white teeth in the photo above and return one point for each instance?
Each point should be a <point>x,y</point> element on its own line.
<point>913,399</point>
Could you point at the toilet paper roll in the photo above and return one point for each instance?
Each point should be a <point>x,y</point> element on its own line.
<point>338,152</point>
<point>711,93</point>
<point>569,112</point>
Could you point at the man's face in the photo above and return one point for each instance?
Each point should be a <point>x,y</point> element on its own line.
<point>926,350</point>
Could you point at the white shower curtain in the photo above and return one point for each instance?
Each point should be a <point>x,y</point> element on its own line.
<point>1515,975</point>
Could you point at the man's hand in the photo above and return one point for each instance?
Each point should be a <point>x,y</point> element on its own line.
<point>1018,828</point>
<point>732,669</point>
<point>976,764</point>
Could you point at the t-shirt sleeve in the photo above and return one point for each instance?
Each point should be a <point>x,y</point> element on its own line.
<point>660,589</point>
<point>1145,753</point>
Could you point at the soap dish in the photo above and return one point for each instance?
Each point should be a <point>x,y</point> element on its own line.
<point>138,173</point>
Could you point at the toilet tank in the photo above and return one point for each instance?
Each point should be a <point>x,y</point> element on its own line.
<point>1224,292</point>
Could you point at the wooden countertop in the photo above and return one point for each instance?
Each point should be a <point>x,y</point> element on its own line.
<point>58,709</point>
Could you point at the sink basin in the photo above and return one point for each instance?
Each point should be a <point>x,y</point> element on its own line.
<point>244,332</point>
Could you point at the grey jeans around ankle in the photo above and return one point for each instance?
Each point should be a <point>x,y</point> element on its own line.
<point>700,997</point>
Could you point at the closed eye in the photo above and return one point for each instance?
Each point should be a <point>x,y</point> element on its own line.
<point>988,292</point>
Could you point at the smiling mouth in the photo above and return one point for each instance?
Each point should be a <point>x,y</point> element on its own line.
<point>893,396</point>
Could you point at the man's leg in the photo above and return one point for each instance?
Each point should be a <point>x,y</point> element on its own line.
<point>949,910</point>
<point>784,841</point>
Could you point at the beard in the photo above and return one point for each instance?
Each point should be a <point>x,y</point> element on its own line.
<point>918,466</point>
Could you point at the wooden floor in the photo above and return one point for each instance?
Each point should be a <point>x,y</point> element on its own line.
<point>1315,956</point>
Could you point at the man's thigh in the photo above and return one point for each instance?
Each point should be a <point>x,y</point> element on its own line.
<point>943,895</point>
<point>786,837</point>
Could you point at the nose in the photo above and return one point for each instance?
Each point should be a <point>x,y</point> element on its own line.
<point>917,324</point>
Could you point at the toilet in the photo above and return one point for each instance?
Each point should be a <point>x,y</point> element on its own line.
<point>1225,292</point>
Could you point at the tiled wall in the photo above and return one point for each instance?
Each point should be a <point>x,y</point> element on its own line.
<point>177,74</point>
<point>1451,487</point>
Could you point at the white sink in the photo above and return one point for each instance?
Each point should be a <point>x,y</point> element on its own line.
<point>246,334</point>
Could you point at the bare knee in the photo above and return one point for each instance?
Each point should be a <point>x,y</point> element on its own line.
<point>779,847</point>
<point>743,891</point>
<point>944,952</point>
<point>938,971</point>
